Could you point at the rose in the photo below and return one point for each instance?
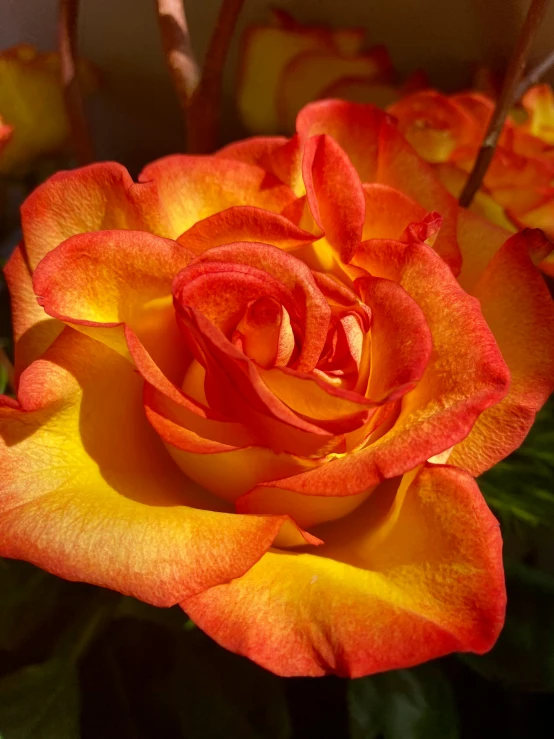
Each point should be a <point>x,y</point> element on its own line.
<point>285,65</point>
<point>32,106</point>
<point>303,352</point>
<point>447,130</point>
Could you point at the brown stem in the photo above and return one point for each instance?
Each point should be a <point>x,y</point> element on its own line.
<point>67,45</point>
<point>505,100</point>
<point>534,75</point>
<point>178,49</point>
<point>205,108</point>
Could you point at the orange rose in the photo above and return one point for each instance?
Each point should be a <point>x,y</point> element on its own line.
<point>286,65</point>
<point>31,103</point>
<point>518,188</point>
<point>241,379</point>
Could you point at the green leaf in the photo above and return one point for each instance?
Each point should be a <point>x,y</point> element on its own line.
<point>403,704</point>
<point>40,702</point>
<point>29,596</point>
<point>216,693</point>
<point>523,657</point>
<point>173,619</point>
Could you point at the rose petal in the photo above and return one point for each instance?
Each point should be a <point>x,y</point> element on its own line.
<point>98,197</point>
<point>393,587</point>
<point>33,329</point>
<point>193,188</point>
<point>244,223</point>
<point>334,194</point>
<point>520,312</point>
<point>96,282</point>
<point>401,342</point>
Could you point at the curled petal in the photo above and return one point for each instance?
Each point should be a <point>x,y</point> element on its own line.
<point>295,277</point>
<point>227,470</point>
<point>334,193</point>
<point>401,342</point>
<point>244,223</point>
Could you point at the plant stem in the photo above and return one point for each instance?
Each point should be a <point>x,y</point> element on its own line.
<point>67,45</point>
<point>178,51</point>
<point>505,101</point>
<point>204,112</point>
<point>534,75</point>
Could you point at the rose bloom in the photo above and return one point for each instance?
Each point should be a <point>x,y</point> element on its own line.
<point>518,188</point>
<point>285,65</point>
<point>241,380</point>
<point>32,106</point>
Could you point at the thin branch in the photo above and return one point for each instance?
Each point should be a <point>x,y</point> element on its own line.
<point>178,49</point>
<point>505,101</point>
<point>67,45</point>
<point>205,109</point>
<point>534,76</point>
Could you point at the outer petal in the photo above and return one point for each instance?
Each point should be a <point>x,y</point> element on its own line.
<point>98,197</point>
<point>520,312</point>
<point>401,581</point>
<point>479,241</point>
<point>33,329</point>
<point>193,188</point>
<point>88,199</point>
<point>89,493</point>
<point>97,281</point>
<point>400,167</point>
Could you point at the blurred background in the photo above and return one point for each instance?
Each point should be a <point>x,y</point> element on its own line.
<point>137,117</point>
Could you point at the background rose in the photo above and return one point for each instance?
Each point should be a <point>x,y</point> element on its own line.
<point>517,190</point>
<point>284,65</point>
<point>32,106</point>
<point>94,495</point>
